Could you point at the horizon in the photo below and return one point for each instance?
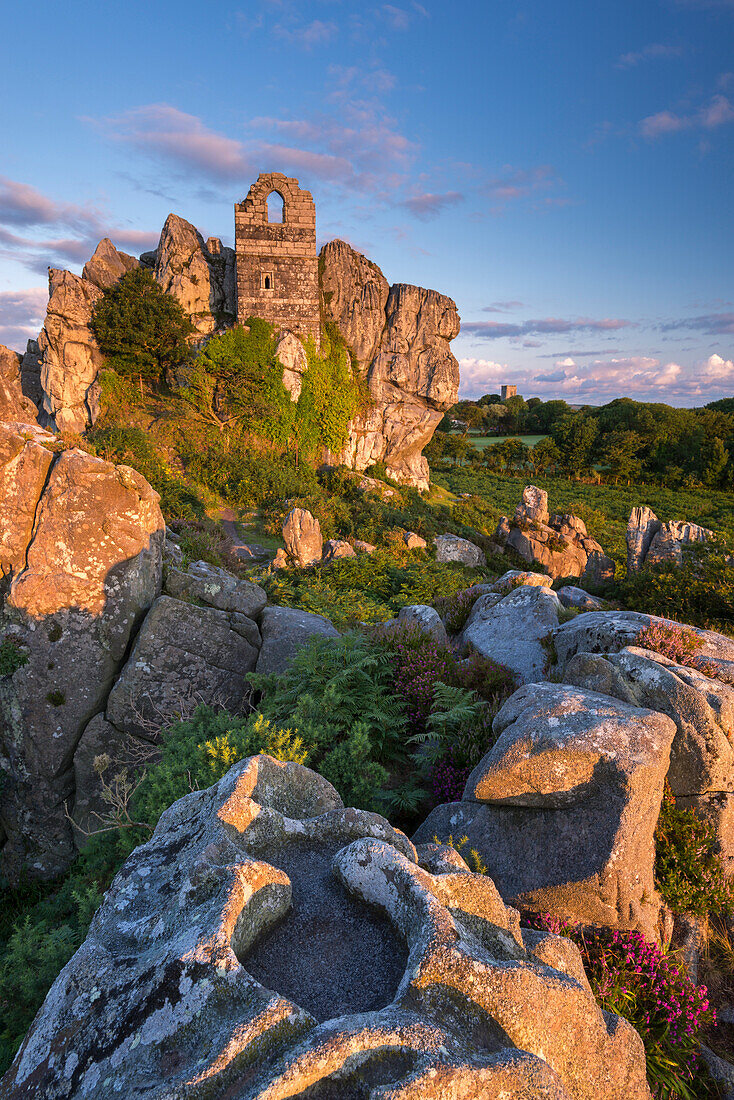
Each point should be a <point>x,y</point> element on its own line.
<point>599,186</point>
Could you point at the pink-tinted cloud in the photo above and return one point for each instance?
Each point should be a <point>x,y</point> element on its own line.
<point>717,113</point>
<point>429,205</point>
<point>715,324</point>
<point>21,315</point>
<point>642,377</point>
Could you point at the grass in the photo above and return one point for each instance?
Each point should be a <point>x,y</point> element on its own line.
<point>482,441</point>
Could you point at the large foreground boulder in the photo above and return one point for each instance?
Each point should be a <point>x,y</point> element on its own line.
<point>400,339</point>
<point>302,537</point>
<point>83,564</point>
<point>266,942</point>
<point>563,808</point>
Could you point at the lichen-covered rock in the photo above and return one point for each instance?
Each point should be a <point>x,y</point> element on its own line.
<point>511,629</point>
<point>71,358</point>
<point>337,548</point>
<point>453,548</point>
<point>533,506</point>
<point>642,526</point>
<point>515,578</point>
<point>107,265</point>
<point>414,541</point>
<point>267,943</point>
<point>570,596</point>
<point>400,338</point>
<point>14,405</point>
<point>90,567</point>
<point>202,282</point>
<point>284,630</point>
<point>215,587</point>
<point>302,537</point>
<point>30,373</point>
<point>563,808</point>
<point>669,543</point>
<point>423,618</point>
<point>609,631</point>
<point>182,653</point>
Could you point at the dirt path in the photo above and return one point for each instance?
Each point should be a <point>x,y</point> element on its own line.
<point>251,553</point>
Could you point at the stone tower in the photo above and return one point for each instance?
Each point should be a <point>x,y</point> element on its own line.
<point>508,391</point>
<point>277,266</point>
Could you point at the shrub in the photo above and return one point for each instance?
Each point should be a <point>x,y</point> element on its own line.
<point>140,330</point>
<point>634,979</point>
<point>455,610</point>
<point>688,870</point>
<point>674,642</point>
<point>339,694</point>
<point>12,656</point>
<point>198,751</point>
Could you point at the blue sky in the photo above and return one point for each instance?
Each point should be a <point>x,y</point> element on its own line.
<point>563,171</point>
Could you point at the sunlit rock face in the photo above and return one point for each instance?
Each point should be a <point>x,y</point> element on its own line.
<point>80,556</point>
<point>400,338</point>
<point>267,943</point>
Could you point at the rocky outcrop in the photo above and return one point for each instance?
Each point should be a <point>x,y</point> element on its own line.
<point>14,405</point>
<point>512,629</point>
<point>302,537</point>
<point>266,943</point>
<point>559,543</point>
<point>202,281</point>
<point>107,265</point>
<point>70,356</point>
<point>291,354</point>
<point>563,808</point>
<point>400,339</point>
<point>82,564</point>
<point>650,542</point>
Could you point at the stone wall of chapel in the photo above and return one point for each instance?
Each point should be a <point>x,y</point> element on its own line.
<point>277,265</point>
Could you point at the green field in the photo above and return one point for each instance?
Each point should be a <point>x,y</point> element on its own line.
<point>482,441</point>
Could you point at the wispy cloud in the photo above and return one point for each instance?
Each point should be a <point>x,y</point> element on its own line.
<point>502,307</point>
<point>715,324</point>
<point>357,147</point>
<point>76,229</point>
<point>517,183</point>
<point>307,35</point>
<point>652,52</point>
<point>399,18</point>
<point>428,205</point>
<point>717,112</point>
<point>493,330</point>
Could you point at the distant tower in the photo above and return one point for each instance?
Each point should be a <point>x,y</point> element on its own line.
<point>277,266</point>
<point>508,391</point>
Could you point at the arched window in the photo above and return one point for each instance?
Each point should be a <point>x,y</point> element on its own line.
<point>275,207</point>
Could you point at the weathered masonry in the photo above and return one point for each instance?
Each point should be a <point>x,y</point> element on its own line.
<point>277,266</point>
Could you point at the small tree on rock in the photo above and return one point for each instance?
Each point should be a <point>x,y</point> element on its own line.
<point>140,330</point>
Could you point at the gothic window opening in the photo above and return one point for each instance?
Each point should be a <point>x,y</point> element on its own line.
<point>275,207</point>
<point>266,280</point>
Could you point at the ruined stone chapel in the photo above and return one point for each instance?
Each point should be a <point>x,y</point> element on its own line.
<point>277,265</point>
